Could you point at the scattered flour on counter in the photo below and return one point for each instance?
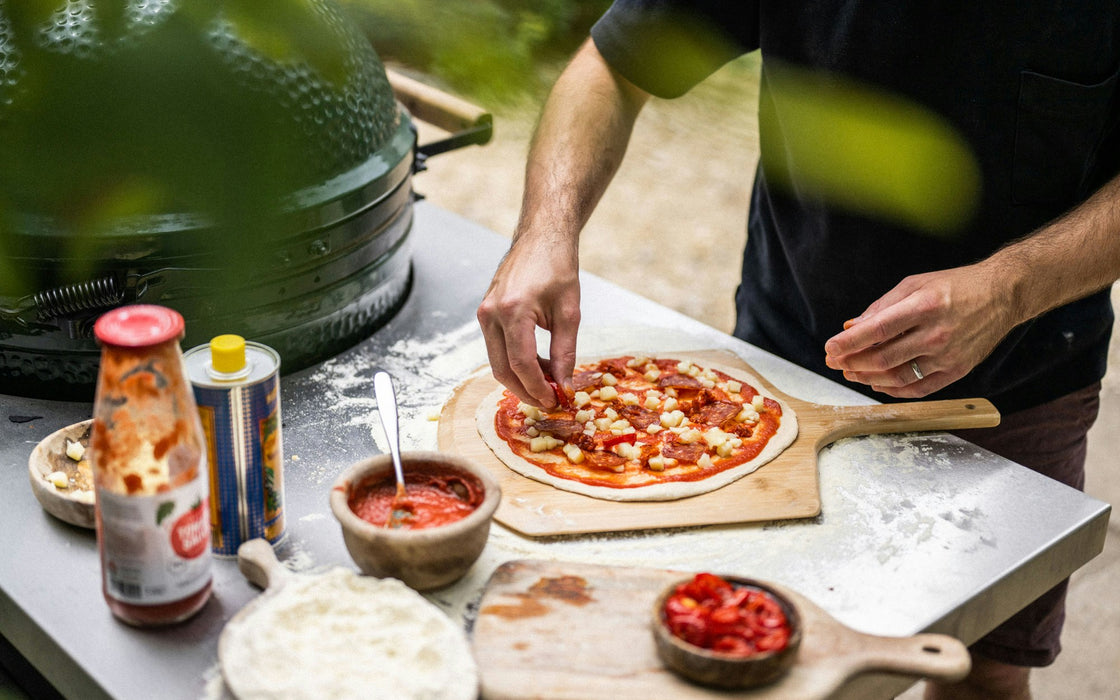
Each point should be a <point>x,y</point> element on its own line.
<point>341,635</point>
<point>424,371</point>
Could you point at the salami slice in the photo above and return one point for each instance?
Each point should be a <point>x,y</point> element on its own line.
<point>717,412</point>
<point>680,381</point>
<point>562,428</point>
<point>601,459</point>
<point>582,381</point>
<point>683,452</point>
<point>640,418</point>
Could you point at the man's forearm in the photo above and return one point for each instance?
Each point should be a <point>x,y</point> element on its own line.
<point>578,146</point>
<point>1069,258</point>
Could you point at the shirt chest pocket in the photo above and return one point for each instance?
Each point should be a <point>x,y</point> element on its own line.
<point>1059,127</point>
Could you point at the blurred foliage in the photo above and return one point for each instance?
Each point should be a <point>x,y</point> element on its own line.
<point>487,50</point>
<point>122,120</point>
<point>868,151</point>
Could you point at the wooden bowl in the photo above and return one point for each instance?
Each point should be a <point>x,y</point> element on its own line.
<point>723,670</point>
<point>74,503</point>
<point>424,559</point>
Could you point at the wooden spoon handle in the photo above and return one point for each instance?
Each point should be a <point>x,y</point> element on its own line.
<point>259,565</point>
<point>916,416</point>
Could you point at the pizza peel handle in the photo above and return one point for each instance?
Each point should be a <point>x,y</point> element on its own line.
<point>836,422</point>
<point>258,563</point>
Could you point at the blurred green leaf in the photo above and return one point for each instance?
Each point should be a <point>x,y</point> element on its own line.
<point>867,151</point>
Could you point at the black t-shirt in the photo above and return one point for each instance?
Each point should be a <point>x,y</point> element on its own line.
<point>1032,91</point>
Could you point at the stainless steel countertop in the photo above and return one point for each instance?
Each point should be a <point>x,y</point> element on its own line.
<point>917,532</point>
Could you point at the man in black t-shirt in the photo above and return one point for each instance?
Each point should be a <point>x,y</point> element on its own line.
<point>936,213</point>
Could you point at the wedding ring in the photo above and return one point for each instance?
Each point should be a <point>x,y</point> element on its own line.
<point>917,370</point>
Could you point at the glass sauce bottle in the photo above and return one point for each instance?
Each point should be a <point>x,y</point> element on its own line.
<point>150,471</point>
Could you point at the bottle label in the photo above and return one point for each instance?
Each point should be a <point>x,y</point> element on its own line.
<point>155,549</point>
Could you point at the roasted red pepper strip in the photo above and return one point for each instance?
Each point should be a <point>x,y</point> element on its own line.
<point>561,397</point>
<point>613,440</point>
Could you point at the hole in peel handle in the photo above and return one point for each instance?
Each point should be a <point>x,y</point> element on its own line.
<point>936,656</point>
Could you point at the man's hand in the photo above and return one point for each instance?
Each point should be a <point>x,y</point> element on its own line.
<point>576,150</point>
<point>535,285</point>
<point>926,333</point>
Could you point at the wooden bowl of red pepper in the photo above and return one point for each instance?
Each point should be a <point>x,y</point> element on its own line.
<point>440,527</point>
<point>726,632</point>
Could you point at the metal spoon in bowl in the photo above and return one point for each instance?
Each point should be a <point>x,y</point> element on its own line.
<point>399,515</point>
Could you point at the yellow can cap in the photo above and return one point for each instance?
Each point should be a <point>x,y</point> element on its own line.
<point>227,353</point>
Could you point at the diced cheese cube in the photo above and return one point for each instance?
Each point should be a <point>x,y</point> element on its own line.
<point>694,371</point>
<point>692,435</point>
<point>758,403</point>
<point>628,451</point>
<point>725,449</point>
<point>75,450</point>
<point>573,453</point>
<point>715,437</point>
<point>611,413</point>
<point>619,425</point>
<point>584,416</point>
<point>657,463</point>
<point>670,404</point>
<point>747,415</point>
<point>707,383</point>
<point>705,461</point>
<point>603,423</point>
<point>608,393</point>
<point>652,403</point>
<point>652,375</point>
<point>532,432</point>
<point>581,399</point>
<point>636,362</point>
<point>608,379</point>
<point>529,411</point>
<point>684,366</point>
<point>733,387</point>
<point>543,443</point>
<point>671,392</point>
<point>628,399</point>
<point>671,419</point>
<point>653,428</point>
<point>59,480</point>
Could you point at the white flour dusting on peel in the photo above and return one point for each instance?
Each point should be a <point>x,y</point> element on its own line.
<point>341,635</point>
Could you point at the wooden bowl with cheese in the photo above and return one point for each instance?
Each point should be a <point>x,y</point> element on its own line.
<point>439,529</point>
<point>60,475</point>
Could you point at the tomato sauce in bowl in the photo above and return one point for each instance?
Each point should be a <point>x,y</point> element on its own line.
<point>432,499</point>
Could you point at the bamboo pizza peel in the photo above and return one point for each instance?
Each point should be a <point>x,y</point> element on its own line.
<point>785,488</point>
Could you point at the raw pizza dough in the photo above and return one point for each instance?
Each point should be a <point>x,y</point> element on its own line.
<point>342,635</point>
<point>664,491</point>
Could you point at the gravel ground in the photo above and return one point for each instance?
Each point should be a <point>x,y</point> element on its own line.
<point>678,206</point>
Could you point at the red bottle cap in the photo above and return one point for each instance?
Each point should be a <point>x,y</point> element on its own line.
<point>139,325</point>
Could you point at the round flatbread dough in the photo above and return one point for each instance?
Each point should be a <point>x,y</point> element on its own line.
<point>659,491</point>
<point>342,635</point>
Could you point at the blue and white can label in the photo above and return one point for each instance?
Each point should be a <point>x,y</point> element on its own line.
<point>240,416</point>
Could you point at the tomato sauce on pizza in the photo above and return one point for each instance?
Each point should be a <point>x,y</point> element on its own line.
<point>634,421</point>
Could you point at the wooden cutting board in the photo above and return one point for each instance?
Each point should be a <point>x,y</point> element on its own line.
<point>557,631</point>
<point>784,488</point>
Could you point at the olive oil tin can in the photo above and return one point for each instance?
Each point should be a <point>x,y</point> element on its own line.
<point>237,389</point>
